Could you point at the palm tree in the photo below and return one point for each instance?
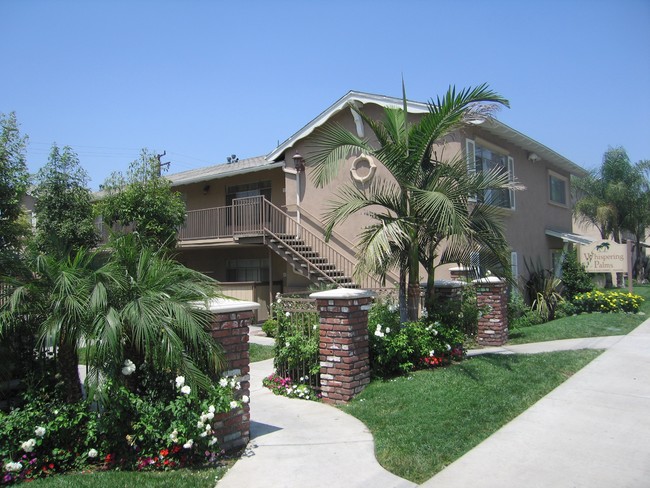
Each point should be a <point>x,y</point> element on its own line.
<point>427,201</point>
<point>613,198</point>
<point>155,314</point>
<point>52,301</point>
<point>128,302</point>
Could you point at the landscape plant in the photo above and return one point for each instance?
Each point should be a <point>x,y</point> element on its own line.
<point>574,277</point>
<point>422,214</point>
<point>607,302</point>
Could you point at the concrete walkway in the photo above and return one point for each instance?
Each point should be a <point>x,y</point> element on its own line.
<point>591,431</point>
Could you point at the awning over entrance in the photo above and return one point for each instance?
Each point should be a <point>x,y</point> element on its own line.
<point>569,237</point>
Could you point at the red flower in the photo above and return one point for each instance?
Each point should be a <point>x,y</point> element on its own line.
<point>164,452</point>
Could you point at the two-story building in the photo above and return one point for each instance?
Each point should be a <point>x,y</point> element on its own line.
<point>258,222</point>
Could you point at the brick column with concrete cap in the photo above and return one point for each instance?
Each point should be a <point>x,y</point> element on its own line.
<point>492,299</point>
<point>230,324</point>
<point>343,348</point>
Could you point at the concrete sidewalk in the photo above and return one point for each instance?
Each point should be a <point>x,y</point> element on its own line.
<point>591,431</point>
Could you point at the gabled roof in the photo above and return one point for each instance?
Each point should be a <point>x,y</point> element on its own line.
<point>492,126</point>
<point>223,170</point>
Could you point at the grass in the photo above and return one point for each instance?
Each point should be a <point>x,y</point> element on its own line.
<point>258,352</point>
<point>423,422</point>
<point>182,478</point>
<point>585,325</point>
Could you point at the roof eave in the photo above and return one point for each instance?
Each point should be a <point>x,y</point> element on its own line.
<point>199,179</point>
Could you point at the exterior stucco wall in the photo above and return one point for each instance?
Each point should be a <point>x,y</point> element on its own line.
<point>525,225</point>
<point>197,196</point>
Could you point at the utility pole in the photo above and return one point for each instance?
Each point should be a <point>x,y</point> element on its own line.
<point>160,165</point>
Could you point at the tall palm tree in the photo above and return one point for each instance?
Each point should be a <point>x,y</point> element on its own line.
<point>426,201</point>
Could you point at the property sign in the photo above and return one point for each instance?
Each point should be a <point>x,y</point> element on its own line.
<point>604,257</point>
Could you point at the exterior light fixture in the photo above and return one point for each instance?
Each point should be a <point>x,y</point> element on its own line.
<point>299,163</point>
<point>533,157</point>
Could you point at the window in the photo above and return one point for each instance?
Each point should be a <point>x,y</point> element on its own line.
<point>248,190</point>
<point>557,189</point>
<point>247,270</point>
<point>481,159</point>
<point>557,257</point>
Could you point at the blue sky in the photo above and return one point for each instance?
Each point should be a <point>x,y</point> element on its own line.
<point>203,80</point>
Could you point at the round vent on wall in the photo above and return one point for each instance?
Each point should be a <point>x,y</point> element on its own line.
<point>363,169</point>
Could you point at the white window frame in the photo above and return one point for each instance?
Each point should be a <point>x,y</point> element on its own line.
<point>553,174</point>
<point>470,157</point>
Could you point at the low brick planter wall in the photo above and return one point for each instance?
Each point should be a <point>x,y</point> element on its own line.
<point>343,343</point>
<point>230,326</point>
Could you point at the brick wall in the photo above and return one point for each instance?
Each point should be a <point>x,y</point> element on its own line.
<point>230,328</point>
<point>492,298</point>
<point>343,344</point>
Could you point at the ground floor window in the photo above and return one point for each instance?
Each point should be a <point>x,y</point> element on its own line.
<point>247,270</point>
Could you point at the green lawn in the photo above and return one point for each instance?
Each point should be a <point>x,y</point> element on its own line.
<point>183,478</point>
<point>259,352</point>
<point>423,422</point>
<point>585,325</point>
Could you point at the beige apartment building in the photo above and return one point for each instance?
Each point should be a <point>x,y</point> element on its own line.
<point>256,224</point>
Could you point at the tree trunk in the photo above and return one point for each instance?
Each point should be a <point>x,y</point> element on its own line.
<point>414,282</point>
<point>68,363</point>
<point>430,297</point>
<point>403,311</point>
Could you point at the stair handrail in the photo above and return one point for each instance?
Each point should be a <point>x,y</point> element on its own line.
<point>345,240</point>
<point>315,242</point>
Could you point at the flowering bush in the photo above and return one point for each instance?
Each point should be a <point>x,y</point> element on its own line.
<point>613,301</point>
<point>166,427</point>
<point>286,387</point>
<point>398,349</point>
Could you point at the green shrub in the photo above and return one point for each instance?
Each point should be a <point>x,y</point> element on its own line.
<point>516,306</point>
<point>164,426</point>
<point>574,277</point>
<point>462,314</point>
<point>270,327</point>
<point>531,317</point>
<point>614,301</point>
<point>565,309</point>
<point>397,349</point>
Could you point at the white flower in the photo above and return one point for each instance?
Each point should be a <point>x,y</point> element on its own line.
<point>432,353</point>
<point>186,390</point>
<point>212,442</point>
<point>234,404</point>
<point>245,399</point>
<point>287,314</point>
<point>287,344</point>
<point>279,300</point>
<point>435,332</point>
<point>238,386</point>
<point>174,436</point>
<point>128,367</point>
<point>28,446</point>
<point>223,382</point>
<point>13,467</point>
<point>209,415</point>
<point>208,428</point>
<point>379,333</point>
<point>189,444</point>
<point>39,431</point>
<point>180,381</point>
<point>233,381</point>
<point>92,453</point>
<point>200,425</point>
<point>203,434</point>
<point>392,308</point>
<point>448,347</point>
<point>211,409</point>
<point>387,330</point>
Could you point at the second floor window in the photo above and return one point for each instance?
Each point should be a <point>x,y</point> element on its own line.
<point>481,159</point>
<point>557,186</point>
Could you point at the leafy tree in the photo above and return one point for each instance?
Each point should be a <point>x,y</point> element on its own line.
<point>574,277</point>
<point>14,179</point>
<point>64,217</point>
<point>423,215</point>
<point>144,199</point>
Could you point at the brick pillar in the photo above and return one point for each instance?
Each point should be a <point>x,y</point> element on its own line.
<point>492,294</point>
<point>230,323</point>
<point>449,290</point>
<point>343,349</point>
